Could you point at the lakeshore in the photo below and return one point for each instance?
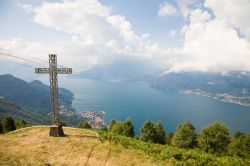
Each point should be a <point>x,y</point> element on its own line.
<point>223,97</point>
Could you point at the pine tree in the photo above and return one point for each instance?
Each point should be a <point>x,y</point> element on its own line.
<point>9,124</point>
<point>160,136</point>
<point>148,132</point>
<point>128,128</point>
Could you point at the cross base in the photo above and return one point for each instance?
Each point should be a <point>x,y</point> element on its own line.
<point>56,131</point>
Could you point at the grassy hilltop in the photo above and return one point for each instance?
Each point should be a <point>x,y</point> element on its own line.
<point>33,146</point>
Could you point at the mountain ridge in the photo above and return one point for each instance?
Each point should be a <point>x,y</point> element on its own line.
<point>34,95</point>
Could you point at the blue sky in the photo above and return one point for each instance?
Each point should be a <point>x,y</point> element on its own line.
<point>175,35</point>
<point>141,14</point>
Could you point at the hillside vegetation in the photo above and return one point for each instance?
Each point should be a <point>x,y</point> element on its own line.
<point>8,108</point>
<point>34,95</point>
<point>33,146</point>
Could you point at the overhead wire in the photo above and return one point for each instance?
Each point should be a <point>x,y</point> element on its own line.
<point>28,60</point>
<point>20,58</point>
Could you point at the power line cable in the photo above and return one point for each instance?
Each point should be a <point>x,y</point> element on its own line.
<point>29,60</point>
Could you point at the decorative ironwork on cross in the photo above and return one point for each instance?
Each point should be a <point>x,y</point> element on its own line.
<point>53,71</point>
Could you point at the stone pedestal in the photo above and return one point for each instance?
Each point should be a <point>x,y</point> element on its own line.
<point>56,131</point>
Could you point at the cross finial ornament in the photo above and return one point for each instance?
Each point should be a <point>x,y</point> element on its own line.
<point>53,71</point>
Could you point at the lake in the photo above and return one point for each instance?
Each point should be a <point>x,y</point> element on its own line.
<point>141,103</point>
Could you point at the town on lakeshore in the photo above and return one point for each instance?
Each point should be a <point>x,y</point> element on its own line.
<point>94,119</point>
<point>224,97</point>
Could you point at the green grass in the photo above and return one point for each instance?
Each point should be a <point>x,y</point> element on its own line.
<point>174,155</point>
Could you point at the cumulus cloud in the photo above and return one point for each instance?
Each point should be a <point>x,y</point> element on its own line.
<point>211,41</point>
<point>93,24</point>
<point>234,12</point>
<point>83,54</point>
<point>98,35</point>
<point>211,45</point>
<point>166,9</point>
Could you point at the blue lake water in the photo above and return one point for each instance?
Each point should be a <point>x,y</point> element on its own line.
<point>141,103</point>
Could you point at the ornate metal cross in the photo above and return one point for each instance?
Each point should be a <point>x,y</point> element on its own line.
<point>53,71</point>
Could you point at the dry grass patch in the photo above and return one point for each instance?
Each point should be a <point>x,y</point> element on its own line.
<point>33,146</point>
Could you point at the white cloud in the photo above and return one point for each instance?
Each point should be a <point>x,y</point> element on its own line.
<point>211,45</point>
<point>166,9</point>
<point>81,52</point>
<point>185,7</point>
<point>234,12</point>
<point>98,36</point>
<point>94,24</point>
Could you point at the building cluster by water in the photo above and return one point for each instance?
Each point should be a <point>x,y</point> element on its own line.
<point>224,97</point>
<point>94,119</point>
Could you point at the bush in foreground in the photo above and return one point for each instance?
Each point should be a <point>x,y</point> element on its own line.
<point>174,155</point>
<point>238,146</point>
<point>84,125</point>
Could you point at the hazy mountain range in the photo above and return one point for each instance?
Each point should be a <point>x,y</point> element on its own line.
<point>233,86</point>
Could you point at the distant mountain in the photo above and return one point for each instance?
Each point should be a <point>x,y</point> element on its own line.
<point>234,83</point>
<point>233,87</point>
<point>8,108</point>
<point>123,69</point>
<point>34,95</point>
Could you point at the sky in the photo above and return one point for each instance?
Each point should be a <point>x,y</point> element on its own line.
<point>176,35</point>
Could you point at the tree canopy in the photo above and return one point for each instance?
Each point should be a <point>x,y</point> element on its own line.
<point>9,124</point>
<point>185,136</point>
<point>153,132</point>
<point>214,138</point>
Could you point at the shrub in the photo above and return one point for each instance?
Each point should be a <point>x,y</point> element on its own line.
<point>214,138</point>
<point>111,124</point>
<point>173,155</point>
<point>168,138</point>
<point>9,124</point>
<point>185,136</point>
<point>21,124</point>
<point>84,125</point>
<point>118,128</point>
<point>238,146</point>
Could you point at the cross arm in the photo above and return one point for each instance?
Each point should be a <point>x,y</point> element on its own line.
<point>59,70</point>
<point>42,70</point>
<point>64,70</point>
